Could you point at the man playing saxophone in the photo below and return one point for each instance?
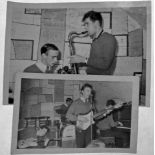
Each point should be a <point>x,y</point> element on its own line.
<point>102,59</point>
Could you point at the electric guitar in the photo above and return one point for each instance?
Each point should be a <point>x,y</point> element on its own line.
<point>85,120</point>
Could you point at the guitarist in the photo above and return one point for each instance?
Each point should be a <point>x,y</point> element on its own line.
<point>78,107</point>
<point>107,127</point>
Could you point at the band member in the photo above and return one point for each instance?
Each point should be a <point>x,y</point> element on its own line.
<point>102,59</point>
<point>62,110</point>
<point>78,107</point>
<point>49,58</point>
<point>108,127</point>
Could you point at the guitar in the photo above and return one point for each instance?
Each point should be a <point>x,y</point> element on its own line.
<point>85,120</point>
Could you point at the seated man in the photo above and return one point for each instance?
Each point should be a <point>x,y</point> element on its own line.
<point>49,59</point>
<point>107,126</point>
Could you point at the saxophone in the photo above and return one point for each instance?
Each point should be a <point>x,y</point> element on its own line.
<point>71,37</point>
<point>73,67</point>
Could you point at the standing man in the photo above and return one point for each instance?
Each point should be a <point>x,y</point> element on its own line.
<point>79,107</point>
<point>102,54</point>
<point>48,62</point>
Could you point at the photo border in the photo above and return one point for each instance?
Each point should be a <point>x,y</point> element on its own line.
<point>134,117</point>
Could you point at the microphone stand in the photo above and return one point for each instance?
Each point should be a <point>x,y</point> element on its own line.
<point>91,102</point>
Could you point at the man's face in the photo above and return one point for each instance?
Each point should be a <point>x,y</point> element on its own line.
<point>86,92</point>
<point>90,26</point>
<point>51,57</point>
<point>68,103</point>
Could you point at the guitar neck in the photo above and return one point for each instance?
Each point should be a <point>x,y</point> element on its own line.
<point>96,116</point>
<point>103,112</point>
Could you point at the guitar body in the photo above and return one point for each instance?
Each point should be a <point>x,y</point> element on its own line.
<point>84,125</point>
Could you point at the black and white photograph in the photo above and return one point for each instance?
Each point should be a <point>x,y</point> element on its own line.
<point>102,38</point>
<point>77,77</point>
<point>69,113</point>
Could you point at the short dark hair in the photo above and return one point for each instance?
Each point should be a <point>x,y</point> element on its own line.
<point>110,102</point>
<point>47,47</point>
<point>69,100</point>
<point>94,16</point>
<point>86,85</point>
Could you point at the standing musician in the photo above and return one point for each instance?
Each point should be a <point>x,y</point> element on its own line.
<point>82,106</point>
<point>83,112</point>
<point>102,59</point>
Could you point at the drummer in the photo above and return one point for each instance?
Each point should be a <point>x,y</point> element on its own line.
<point>62,110</point>
<point>65,108</point>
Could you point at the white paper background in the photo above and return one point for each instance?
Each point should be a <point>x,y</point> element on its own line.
<point>145,126</point>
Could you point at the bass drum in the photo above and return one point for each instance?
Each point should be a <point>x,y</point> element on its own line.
<point>68,136</point>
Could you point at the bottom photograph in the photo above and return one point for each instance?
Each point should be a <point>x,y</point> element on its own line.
<point>71,114</point>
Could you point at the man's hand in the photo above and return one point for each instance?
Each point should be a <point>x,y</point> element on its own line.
<point>108,112</point>
<point>118,106</point>
<point>119,123</point>
<point>77,59</point>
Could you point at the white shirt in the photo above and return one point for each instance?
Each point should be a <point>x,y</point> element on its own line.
<point>41,66</point>
<point>83,99</point>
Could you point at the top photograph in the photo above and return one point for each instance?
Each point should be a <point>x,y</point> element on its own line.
<point>97,38</point>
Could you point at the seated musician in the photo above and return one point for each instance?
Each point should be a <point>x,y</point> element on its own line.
<point>50,55</point>
<point>107,127</point>
<point>81,106</point>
